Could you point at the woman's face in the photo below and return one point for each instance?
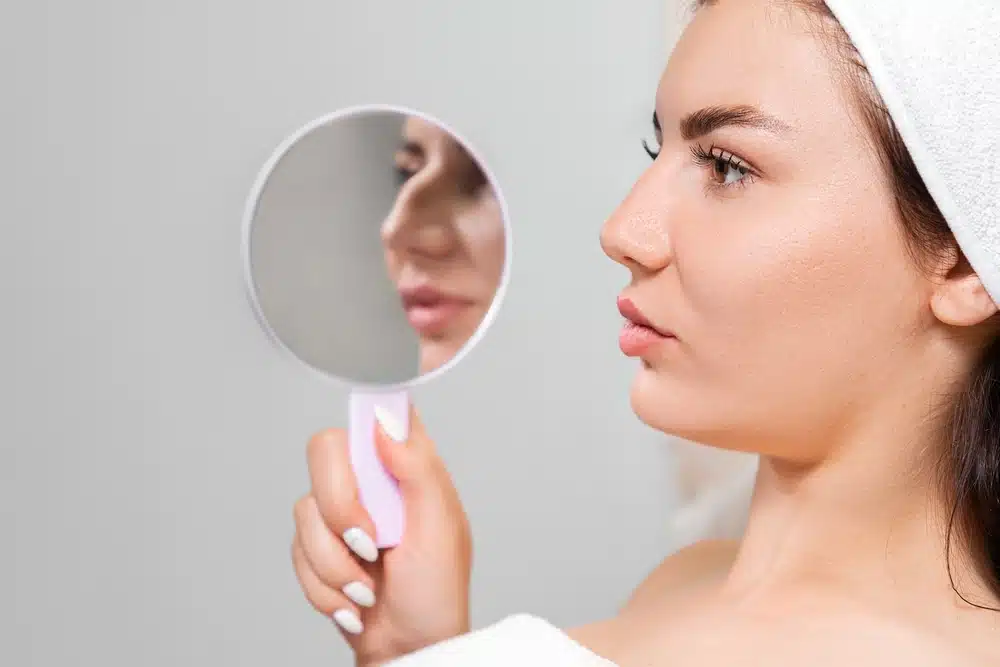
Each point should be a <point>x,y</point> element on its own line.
<point>764,238</point>
<point>443,241</point>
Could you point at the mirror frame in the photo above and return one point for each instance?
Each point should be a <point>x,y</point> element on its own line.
<point>250,211</point>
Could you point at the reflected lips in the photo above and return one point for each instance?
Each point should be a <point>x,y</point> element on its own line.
<point>429,310</point>
<point>638,334</point>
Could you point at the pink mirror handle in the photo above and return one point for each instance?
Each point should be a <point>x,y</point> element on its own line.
<point>377,488</point>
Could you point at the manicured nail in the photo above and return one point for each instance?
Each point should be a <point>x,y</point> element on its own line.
<point>348,620</point>
<point>392,428</point>
<point>362,545</point>
<point>359,594</point>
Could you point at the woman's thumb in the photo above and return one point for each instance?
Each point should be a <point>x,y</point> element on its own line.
<point>408,454</point>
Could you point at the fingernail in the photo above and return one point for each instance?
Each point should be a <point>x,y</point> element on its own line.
<point>392,428</point>
<point>359,594</point>
<point>359,542</point>
<point>348,620</point>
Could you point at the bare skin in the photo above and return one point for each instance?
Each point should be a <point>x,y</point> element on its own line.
<point>685,614</point>
<point>765,238</point>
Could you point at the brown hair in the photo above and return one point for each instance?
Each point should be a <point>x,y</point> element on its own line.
<point>970,466</point>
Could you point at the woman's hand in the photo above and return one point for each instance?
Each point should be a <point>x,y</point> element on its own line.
<point>395,602</point>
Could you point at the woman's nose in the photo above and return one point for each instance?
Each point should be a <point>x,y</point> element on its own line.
<point>420,219</point>
<point>636,235</point>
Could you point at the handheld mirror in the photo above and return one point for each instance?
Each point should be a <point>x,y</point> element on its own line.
<point>376,248</point>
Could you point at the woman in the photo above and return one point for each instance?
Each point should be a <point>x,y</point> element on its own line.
<point>443,239</point>
<point>795,292</point>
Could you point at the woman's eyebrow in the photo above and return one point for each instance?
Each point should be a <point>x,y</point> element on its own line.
<point>708,120</point>
<point>705,121</point>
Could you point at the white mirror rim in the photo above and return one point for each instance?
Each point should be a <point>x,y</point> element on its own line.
<point>250,212</point>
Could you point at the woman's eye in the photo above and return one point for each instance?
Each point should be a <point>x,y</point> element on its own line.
<point>403,174</point>
<point>727,169</point>
<point>472,181</point>
<point>649,151</point>
<point>728,173</point>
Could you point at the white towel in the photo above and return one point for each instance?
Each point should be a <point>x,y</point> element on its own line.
<point>937,66</point>
<point>522,640</point>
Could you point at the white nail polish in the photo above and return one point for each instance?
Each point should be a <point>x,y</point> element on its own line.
<point>389,424</point>
<point>358,541</point>
<point>359,594</point>
<point>349,621</point>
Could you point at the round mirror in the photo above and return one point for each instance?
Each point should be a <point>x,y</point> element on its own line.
<point>376,250</point>
<point>376,246</point>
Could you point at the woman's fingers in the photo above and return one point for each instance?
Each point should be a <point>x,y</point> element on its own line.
<point>328,557</point>
<point>335,491</point>
<point>324,599</point>
<point>414,461</point>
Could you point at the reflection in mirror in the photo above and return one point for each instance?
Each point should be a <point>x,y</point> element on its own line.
<point>377,247</point>
<point>443,240</point>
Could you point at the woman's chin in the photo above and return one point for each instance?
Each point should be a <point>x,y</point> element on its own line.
<point>653,401</point>
<point>666,405</point>
<point>435,354</point>
<point>439,348</point>
<point>681,412</point>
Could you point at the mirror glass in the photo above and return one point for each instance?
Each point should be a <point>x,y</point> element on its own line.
<point>376,246</point>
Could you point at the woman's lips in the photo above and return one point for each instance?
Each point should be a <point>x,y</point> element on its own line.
<point>430,310</point>
<point>638,335</point>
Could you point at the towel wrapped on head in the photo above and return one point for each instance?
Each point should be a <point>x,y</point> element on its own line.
<point>937,67</point>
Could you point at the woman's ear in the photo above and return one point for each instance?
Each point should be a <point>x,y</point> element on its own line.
<point>960,299</point>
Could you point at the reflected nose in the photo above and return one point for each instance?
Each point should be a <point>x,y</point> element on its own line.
<point>636,234</point>
<point>421,217</point>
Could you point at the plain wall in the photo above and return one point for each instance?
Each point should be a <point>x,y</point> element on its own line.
<point>153,439</point>
<point>316,256</point>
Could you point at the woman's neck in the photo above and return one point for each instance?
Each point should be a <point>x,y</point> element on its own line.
<point>871,519</point>
<point>862,526</point>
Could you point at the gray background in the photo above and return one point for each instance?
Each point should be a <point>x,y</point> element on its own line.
<point>316,255</point>
<point>153,440</point>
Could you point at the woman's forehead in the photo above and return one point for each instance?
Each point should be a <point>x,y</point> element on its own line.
<point>761,53</point>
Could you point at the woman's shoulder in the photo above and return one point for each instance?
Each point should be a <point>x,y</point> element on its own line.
<point>688,569</point>
<point>683,573</point>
